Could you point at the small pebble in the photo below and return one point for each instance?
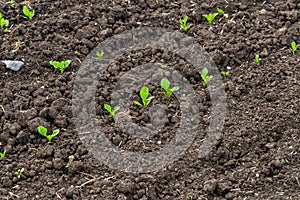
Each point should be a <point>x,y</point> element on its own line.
<point>13,65</point>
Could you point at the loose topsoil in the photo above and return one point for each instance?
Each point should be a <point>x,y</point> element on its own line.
<point>258,154</point>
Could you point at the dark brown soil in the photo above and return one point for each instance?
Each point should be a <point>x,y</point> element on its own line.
<point>258,154</point>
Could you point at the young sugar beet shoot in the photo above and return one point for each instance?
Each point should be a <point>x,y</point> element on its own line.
<point>112,111</point>
<point>61,66</point>
<point>144,94</point>
<point>205,77</point>
<point>43,131</point>
<point>165,84</point>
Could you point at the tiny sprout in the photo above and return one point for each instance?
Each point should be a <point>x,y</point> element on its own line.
<point>133,59</point>
<point>294,47</point>
<point>165,84</point>
<point>210,17</point>
<point>29,14</point>
<point>3,22</point>
<point>205,77</point>
<point>99,54</point>
<point>224,73</point>
<point>61,66</point>
<point>11,3</point>
<point>71,158</point>
<point>43,131</point>
<point>37,79</point>
<point>257,59</point>
<point>19,172</point>
<point>144,93</point>
<point>111,111</point>
<point>163,66</point>
<point>2,155</point>
<point>221,12</point>
<point>183,24</point>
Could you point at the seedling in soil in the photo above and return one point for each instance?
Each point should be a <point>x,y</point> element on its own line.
<point>183,24</point>
<point>111,111</point>
<point>221,12</point>
<point>11,3</point>
<point>29,14</point>
<point>43,131</point>
<point>99,54</point>
<point>165,84</point>
<point>133,59</point>
<point>6,30</point>
<point>225,74</point>
<point>210,17</point>
<point>205,77</point>
<point>294,47</point>
<point>257,59</point>
<point>163,66</point>
<point>61,66</point>
<point>53,89</point>
<point>19,172</point>
<point>2,155</point>
<point>37,79</point>
<point>71,158</point>
<point>3,22</point>
<point>144,93</point>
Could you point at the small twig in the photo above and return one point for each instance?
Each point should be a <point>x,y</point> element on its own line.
<point>13,195</point>
<point>2,108</point>
<point>57,193</point>
<point>297,181</point>
<point>87,182</point>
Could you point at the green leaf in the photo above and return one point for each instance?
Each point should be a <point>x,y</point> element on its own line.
<point>144,92</point>
<point>138,103</point>
<point>116,108</point>
<point>29,14</point>
<point>55,132</point>
<point>204,72</point>
<point>107,107</point>
<point>42,130</point>
<point>220,11</point>
<point>100,54</point>
<point>165,84</point>
<point>174,89</point>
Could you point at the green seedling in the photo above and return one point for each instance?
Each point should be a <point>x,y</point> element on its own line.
<point>19,172</point>
<point>99,54</point>
<point>205,77</point>
<point>2,155</point>
<point>163,66</point>
<point>6,30</point>
<point>53,89</point>
<point>221,12</point>
<point>111,111</point>
<point>294,47</point>
<point>225,74</point>
<point>61,66</point>
<point>11,3</point>
<point>183,24</point>
<point>165,84</point>
<point>257,59</point>
<point>3,22</point>
<point>43,131</point>
<point>133,59</point>
<point>29,14</point>
<point>37,79</point>
<point>144,93</point>
<point>210,17</point>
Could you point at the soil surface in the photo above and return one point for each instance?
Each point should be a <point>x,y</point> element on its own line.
<point>258,154</point>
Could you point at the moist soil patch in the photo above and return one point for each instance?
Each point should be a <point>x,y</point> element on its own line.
<point>257,156</point>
